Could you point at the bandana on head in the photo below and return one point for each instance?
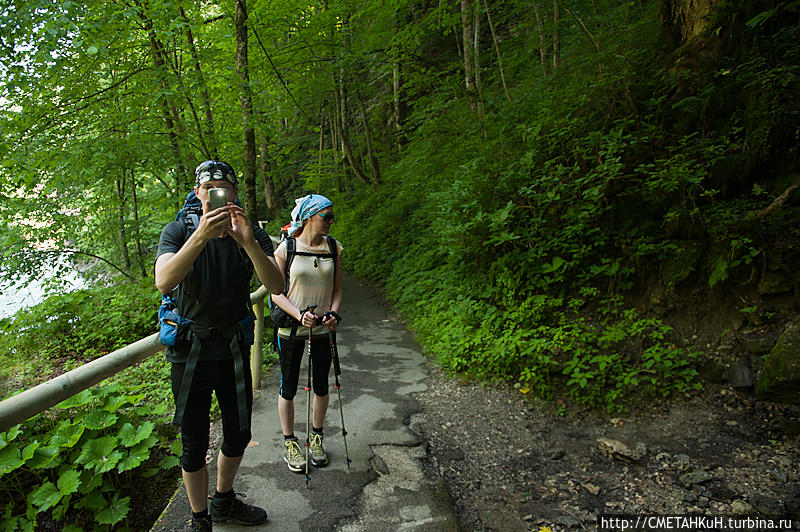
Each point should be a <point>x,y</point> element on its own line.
<point>305,208</point>
<point>214,171</point>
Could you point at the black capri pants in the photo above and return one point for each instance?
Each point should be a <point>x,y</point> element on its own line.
<point>217,376</point>
<point>292,353</point>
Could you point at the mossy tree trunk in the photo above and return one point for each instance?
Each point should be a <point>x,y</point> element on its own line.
<point>683,20</point>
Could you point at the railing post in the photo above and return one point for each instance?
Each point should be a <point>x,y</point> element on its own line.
<point>257,351</point>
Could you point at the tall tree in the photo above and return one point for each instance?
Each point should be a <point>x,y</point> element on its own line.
<point>467,40</point>
<point>248,185</point>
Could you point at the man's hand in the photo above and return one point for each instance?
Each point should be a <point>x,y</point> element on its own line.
<point>239,228</point>
<point>214,224</point>
<point>242,232</point>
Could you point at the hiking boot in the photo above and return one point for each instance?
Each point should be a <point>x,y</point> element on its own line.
<point>201,525</point>
<point>294,457</point>
<point>319,457</point>
<point>235,510</point>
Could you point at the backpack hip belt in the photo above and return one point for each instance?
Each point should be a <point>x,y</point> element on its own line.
<point>198,334</point>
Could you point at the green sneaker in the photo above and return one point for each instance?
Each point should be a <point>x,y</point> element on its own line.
<point>236,510</point>
<point>294,457</point>
<point>318,456</point>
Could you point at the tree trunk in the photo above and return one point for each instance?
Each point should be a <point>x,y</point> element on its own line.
<point>265,168</point>
<point>247,187</point>
<point>122,232</point>
<point>497,50</point>
<point>396,117</point>
<point>168,112</point>
<point>333,120</point>
<point>469,50</point>
<point>373,161</point>
<point>208,130</point>
<point>683,20</point>
<point>346,147</point>
<point>137,228</point>
<point>542,43</point>
<point>556,38</point>
<point>476,44</point>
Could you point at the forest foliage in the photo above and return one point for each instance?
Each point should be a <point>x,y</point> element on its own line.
<point>509,172</point>
<point>513,173</point>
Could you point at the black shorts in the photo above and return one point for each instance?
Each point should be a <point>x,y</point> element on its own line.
<point>292,353</point>
<point>212,376</point>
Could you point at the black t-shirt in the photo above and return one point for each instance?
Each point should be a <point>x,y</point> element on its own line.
<point>216,291</point>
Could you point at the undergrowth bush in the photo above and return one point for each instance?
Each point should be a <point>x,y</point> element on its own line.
<point>509,242</point>
<point>67,330</point>
<point>77,466</point>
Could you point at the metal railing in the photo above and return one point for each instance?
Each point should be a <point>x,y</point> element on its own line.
<point>27,404</point>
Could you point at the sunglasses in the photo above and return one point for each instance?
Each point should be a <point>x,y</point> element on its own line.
<point>328,217</point>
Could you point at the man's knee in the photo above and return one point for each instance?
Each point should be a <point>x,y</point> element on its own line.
<point>233,447</point>
<point>193,459</point>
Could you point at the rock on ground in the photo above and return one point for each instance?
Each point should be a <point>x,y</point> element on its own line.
<point>511,463</point>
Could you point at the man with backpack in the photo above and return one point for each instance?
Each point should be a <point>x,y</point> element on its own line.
<point>210,261</point>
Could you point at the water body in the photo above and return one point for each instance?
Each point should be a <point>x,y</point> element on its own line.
<point>16,297</point>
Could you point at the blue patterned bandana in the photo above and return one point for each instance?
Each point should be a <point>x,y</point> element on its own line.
<point>305,208</point>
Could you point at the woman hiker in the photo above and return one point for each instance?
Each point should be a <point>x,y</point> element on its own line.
<point>314,278</point>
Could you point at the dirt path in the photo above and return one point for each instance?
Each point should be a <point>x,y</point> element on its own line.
<point>514,464</point>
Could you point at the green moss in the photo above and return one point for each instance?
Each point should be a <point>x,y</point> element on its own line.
<point>780,377</point>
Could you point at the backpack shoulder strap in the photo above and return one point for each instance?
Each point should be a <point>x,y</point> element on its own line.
<point>291,251</point>
<point>191,221</point>
<point>334,251</point>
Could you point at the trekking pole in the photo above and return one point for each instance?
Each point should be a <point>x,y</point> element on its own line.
<point>337,370</point>
<point>308,398</point>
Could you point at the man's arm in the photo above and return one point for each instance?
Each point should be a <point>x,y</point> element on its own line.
<point>266,268</point>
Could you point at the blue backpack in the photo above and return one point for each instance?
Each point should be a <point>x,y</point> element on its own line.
<point>175,329</point>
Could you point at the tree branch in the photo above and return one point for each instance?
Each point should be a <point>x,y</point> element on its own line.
<point>98,257</point>
<point>780,200</point>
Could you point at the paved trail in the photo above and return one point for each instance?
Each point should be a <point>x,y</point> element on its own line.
<point>385,487</point>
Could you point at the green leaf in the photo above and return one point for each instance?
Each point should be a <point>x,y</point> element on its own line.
<point>130,436</point>
<point>9,436</point>
<point>176,447</point>
<point>10,459</point>
<point>150,411</point>
<point>67,434</point>
<point>69,481</point>
<point>94,501</point>
<point>62,508</point>
<point>44,457</point>
<point>169,462</point>
<point>115,402</point>
<point>720,272</point>
<point>90,481</point>
<point>135,457</point>
<point>92,50</point>
<point>45,497</point>
<point>100,454</point>
<point>78,399</point>
<point>29,450</point>
<point>115,511</point>
<point>98,420</point>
